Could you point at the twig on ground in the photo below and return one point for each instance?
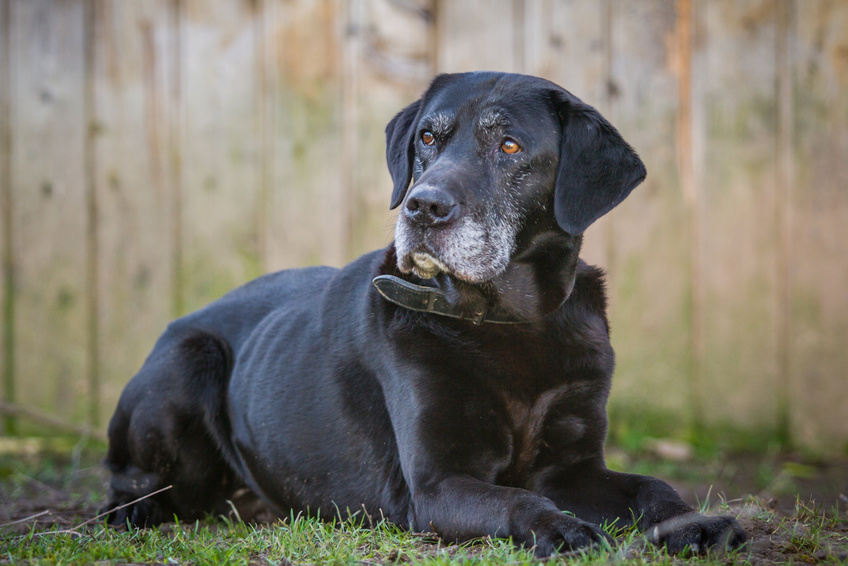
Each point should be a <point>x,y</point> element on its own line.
<point>26,519</point>
<point>75,530</point>
<point>119,507</point>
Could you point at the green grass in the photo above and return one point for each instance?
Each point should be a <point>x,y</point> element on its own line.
<point>299,540</point>
<point>808,536</point>
<point>50,491</point>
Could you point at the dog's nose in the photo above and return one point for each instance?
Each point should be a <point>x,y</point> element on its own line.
<point>429,206</point>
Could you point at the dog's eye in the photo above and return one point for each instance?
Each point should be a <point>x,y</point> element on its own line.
<point>510,146</point>
<point>428,138</point>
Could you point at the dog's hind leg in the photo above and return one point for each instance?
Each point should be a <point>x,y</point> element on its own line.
<point>165,432</point>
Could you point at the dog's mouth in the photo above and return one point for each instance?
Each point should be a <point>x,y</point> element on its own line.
<point>423,264</point>
<point>468,251</point>
<point>426,266</point>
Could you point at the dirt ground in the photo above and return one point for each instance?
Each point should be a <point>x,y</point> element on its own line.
<point>779,500</point>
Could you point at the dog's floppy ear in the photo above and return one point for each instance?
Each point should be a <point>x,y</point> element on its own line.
<point>400,151</point>
<point>597,168</point>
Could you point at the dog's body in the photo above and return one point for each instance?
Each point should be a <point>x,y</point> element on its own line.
<point>462,391</point>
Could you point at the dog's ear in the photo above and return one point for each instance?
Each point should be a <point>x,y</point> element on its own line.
<point>400,151</point>
<point>597,168</point>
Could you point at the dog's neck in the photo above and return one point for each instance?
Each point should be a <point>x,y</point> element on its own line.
<point>539,279</point>
<point>434,300</point>
<point>536,283</point>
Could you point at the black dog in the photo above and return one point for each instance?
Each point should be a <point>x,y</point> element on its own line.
<point>455,382</point>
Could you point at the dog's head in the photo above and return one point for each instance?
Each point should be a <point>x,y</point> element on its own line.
<point>495,161</point>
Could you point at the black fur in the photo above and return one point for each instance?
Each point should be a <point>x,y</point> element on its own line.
<point>597,168</point>
<point>317,395</point>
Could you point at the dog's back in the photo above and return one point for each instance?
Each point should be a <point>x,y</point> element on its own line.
<point>289,334</point>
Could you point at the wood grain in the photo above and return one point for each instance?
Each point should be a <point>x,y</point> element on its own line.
<point>153,155</point>
<point>819,272</point>
<point>134,183</point>
<point>739,195</point>
<point>49,206</point>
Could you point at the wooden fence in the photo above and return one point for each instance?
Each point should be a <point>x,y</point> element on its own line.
<point>156,153</point>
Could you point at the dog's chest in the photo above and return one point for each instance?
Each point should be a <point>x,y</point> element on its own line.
<point>549,421</point>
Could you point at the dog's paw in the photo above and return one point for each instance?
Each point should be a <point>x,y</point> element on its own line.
<point>141,514</point>
<point>558,532</point>
<point>697,534</point>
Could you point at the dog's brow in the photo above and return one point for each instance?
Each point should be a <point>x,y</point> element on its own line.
<point>493,119</point>
<point>441,124</point>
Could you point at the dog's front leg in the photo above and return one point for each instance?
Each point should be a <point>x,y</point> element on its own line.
<point>453,442</point>
<point>595,493</point>
<point>462,508</point>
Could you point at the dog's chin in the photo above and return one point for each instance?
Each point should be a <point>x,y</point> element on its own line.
<point>427,266</point>
<point>424,265</point>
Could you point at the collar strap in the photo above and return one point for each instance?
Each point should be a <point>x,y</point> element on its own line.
<point>430,299</point>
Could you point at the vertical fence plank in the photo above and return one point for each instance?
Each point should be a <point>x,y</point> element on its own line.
<point>307,225</point>
<point>567,42</point>
<point>92,225</point>
<point>7,257</point>
<point>131,74</point>
<point>784,179</point>
<point>819,358</point>
<point>267,88</point>
<point>564,41</point>
<point>389,62</point>
<point>221,147</point>
<point>479,35</point>
<point>739,199</point>
<point>650,298</point>
<point>50,207</point>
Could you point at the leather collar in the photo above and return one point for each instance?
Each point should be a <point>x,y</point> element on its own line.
<point>430,299</point>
